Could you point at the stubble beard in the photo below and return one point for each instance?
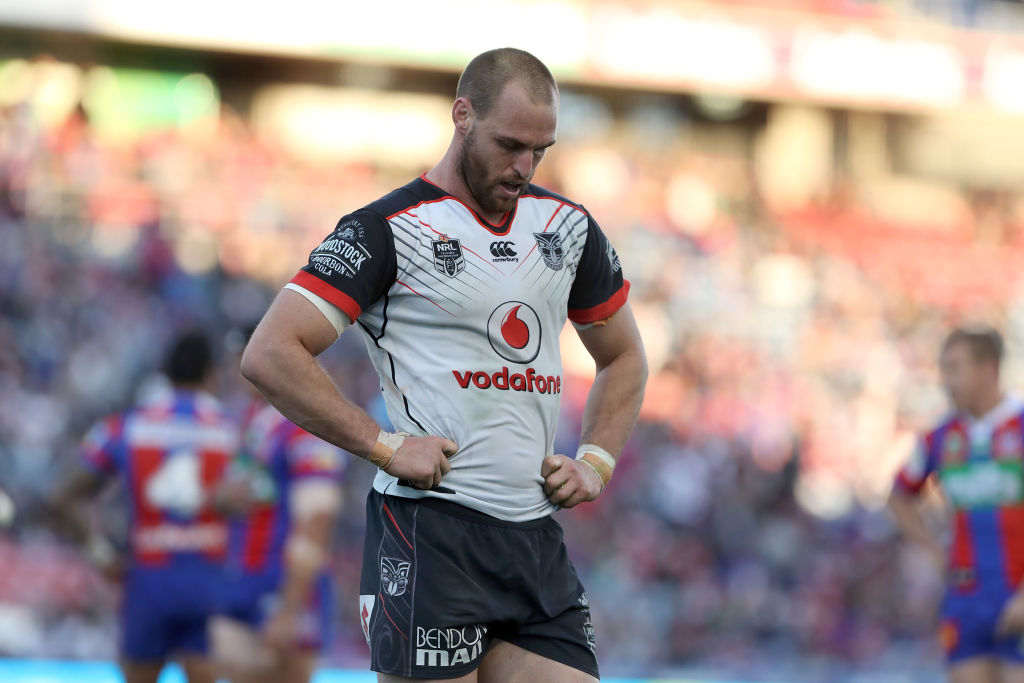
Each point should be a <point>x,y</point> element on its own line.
<point>474,175</point>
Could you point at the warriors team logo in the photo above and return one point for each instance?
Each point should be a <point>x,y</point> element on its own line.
<point>550,246</point>
<point>448,259</point>
<point>514,332</point>
<point>394,576</point>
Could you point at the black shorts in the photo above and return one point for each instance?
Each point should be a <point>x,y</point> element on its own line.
<point>442,582</point>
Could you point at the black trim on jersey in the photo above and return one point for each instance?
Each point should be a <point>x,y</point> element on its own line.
<point>357,263</point>
<point>394,379</point>
<point>405,400</point>
<point>544,193</point>
<point>599,272</point>
<point>500,230</point>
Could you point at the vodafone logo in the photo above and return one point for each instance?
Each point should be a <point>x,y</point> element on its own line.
<point>514,332</point>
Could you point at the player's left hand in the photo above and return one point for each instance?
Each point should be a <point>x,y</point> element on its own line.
<point>569,482</point>
<point>281,632</point>
<point>1011,619</point>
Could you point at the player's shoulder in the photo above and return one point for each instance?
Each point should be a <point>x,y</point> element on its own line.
<point>537,192</point>
<point>940,427</point>
<point>404,198</point>
<point>107,428</point>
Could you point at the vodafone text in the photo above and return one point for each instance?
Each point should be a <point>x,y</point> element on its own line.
<point>505,381</point>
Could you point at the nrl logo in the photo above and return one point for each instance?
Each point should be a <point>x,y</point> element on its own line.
<point>394,576</point>
<point>448,259</point>
<point>550,247</point>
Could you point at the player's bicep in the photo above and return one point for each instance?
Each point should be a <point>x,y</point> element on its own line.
<point>613,338</point>
<point>294,318</point>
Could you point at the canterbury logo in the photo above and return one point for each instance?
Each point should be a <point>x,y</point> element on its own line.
<point>503,251</point>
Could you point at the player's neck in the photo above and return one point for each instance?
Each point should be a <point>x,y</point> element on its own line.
<point>985,406</point>
<point>446,176</point>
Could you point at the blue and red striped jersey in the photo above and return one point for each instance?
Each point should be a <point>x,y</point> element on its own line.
<point>979,464</point>
<point>172,452</point>
<point>283,455</point>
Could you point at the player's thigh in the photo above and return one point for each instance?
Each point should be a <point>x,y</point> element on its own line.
<point>141,672</point>
<point>198,669</point>
<point>1012,672</point>
<point>508,663</point>
<point>471,677</point>
<point>974,670</point>
<point>239,653</point>
<point>296,666</point>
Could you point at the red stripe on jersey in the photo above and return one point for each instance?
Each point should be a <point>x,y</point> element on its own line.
<point>493,229</point>
<point>213,466</point>
<point>962,551</point>
<point>144,463</point>
<point>259,531</point>
<point>427,298</point>
<point>332,294</point>
<point>1011,530</point>
<point>603,311</point>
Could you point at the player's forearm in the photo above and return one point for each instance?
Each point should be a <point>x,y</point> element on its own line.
<point>306,555</point>
<point>295,383</point>
<point>613,404</point>
<point>910,522</point>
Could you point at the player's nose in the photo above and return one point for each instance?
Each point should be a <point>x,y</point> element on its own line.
<point>523,164</point>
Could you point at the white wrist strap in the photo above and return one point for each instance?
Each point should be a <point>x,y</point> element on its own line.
<point>383,451</point>
<point>599,459</point>
<point>598,451</point>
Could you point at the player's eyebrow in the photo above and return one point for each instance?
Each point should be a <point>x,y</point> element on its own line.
<point>513,143</point>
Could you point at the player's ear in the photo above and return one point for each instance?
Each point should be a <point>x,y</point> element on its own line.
<point>463,115</point>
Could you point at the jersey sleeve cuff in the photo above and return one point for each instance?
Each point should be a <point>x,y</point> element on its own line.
<point>585,316</point>
<point>905,485</point>
<point>334,296</point>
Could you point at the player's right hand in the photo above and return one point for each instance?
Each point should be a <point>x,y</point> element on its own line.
<point>422,460</point>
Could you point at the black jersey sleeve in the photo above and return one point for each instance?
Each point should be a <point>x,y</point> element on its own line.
<point>354,266</point>
<point>599,289</point>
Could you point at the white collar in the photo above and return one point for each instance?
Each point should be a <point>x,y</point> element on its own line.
<point>983,426</point>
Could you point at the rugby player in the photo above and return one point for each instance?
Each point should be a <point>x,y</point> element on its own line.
<point>278,596</point>
<point>975,455</point>
<point>460,282</point>
<point>172,453</point>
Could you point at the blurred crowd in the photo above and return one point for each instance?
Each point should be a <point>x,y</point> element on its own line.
<point>791,355</point>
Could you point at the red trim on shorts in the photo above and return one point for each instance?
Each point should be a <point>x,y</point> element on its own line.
<point>387,510</point>
<point>389,616</point>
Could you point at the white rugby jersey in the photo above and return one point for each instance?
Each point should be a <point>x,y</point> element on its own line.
<point>462,319</point>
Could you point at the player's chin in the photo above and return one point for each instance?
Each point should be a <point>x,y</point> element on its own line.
<point>505,197</point>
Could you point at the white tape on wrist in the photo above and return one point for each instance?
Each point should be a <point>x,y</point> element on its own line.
<point>383,450</point>
<point>599,459</point>
<point>598,451</point>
